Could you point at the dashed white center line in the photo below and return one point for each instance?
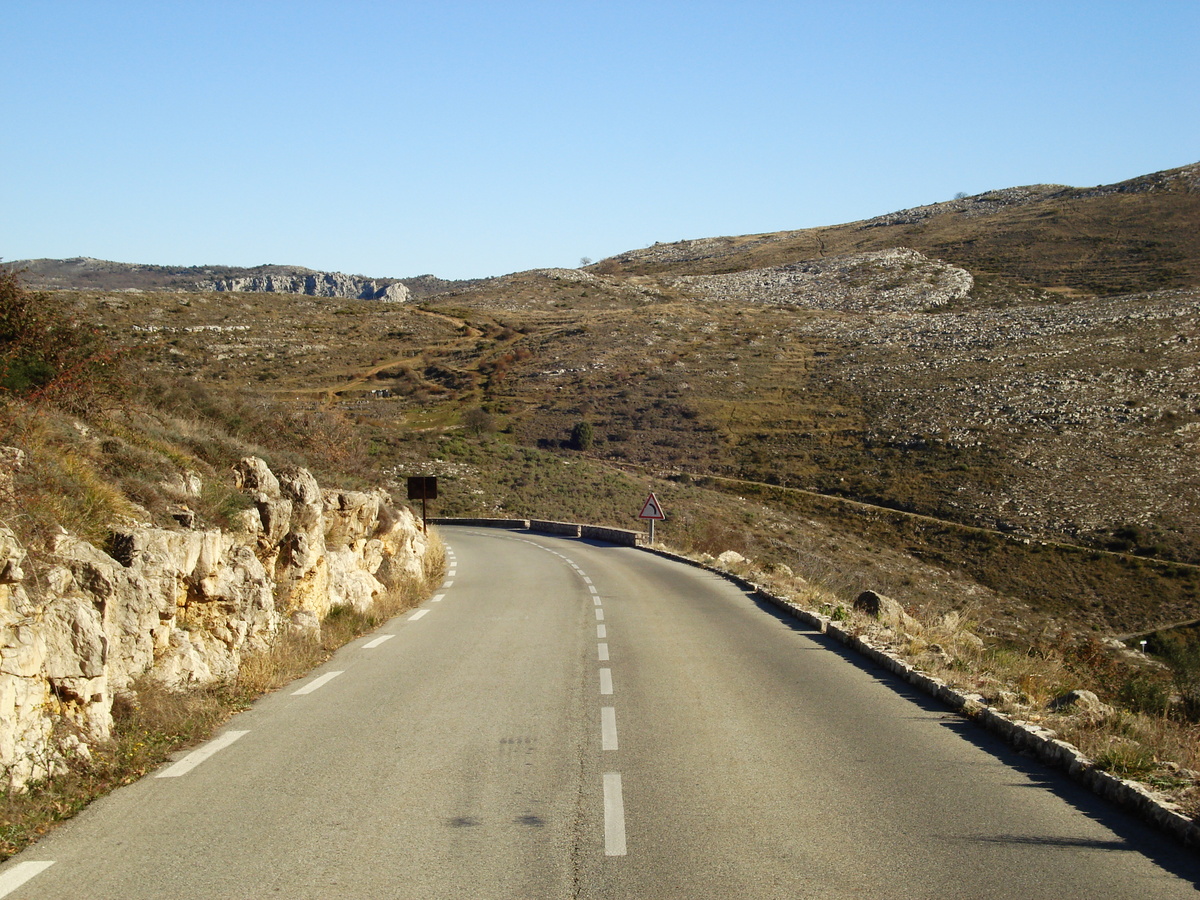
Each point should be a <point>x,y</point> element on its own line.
<point>317,683</point>
<point>418,614</point>
<point>601,631</point>
<point>606,686</point>
<point>200,754</point>
<point>597,601</point>
<point>608,728</point>
<point>614,815</point>
<point>599,615</point>
<point>447,584</point>
<point>592,589</point>
<point>21,873</point>
<point>601,652</point>
<point>371,645</point>
<point>437,598</point>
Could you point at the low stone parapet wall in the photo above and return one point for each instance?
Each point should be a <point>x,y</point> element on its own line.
<point>482,523</point>
<point>568,529</point>
<point>622,536</point>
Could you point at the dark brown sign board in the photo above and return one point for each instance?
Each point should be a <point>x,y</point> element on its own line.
<point>422,487</point>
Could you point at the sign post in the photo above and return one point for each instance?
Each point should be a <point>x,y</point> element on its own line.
<point>652,512</point>
<point>423,488</point>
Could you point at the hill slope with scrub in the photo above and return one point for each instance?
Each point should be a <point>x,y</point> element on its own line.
<point>987,406</point>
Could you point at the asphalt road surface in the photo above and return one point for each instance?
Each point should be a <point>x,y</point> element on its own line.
<point>571,719</point>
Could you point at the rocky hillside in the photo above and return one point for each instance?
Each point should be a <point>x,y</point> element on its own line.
<point>1133,236</point>
<point>1022,362</point>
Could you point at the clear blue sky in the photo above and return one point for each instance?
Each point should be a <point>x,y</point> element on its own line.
<point>479,138</point>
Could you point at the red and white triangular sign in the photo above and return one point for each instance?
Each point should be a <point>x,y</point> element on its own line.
<point>652,509</point>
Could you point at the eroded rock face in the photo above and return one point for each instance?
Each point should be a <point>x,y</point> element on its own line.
<point>182,606</point>
<point>313,284</point>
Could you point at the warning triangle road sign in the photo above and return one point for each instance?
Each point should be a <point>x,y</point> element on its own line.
<point>652,509</point>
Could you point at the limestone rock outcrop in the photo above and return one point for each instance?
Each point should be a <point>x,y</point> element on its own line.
<point>313,284</point>
<point>182,606</point>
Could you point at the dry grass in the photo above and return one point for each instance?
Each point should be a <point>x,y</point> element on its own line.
<point>149,725</point>
<point>299,651</point>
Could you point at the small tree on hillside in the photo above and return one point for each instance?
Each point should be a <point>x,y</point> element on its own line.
<point>582,436</point>
<point>478,421</point>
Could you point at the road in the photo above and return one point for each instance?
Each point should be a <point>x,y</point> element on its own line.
<point>569,719</point>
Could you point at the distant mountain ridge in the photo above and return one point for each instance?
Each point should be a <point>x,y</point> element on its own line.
<point>1134,235</point>
<point>85,273</point>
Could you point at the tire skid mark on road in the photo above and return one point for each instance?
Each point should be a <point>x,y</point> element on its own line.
<point>614,801</point>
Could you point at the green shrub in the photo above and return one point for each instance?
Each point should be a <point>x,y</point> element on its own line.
<point>46,355</point>
<point>1145,693</point>
<point>1126,758</point>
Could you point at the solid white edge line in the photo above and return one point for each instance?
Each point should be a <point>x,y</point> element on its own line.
<point>608,728</point>
<point>614,815</point>
<point>21,873</point>
<point>200,754</point>
<point>602,652</point>
<point>317,683</point>
<point>606,686</point>
<point>371,645</point>
<point>419,614</point>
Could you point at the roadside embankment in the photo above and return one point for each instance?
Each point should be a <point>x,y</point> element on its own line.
<point>181,606</point>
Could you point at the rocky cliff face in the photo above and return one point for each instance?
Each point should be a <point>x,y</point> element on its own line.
<point>313,284</point>
<point>182,606</point>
